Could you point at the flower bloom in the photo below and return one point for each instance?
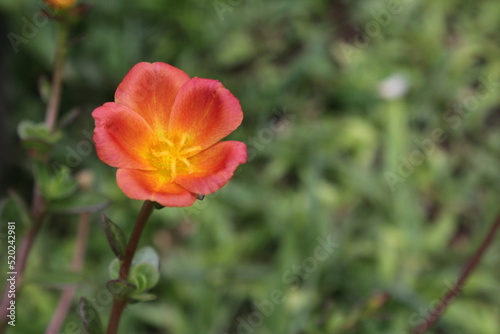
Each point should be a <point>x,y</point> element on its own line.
<point>163,132</point>
<point>60,4</point>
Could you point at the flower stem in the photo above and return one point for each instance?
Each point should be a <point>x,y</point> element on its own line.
<point>469,268</point>
<point>120,303</point>
<point>55,97</point>
<point>76,267</point>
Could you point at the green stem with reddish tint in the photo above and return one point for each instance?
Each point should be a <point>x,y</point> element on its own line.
<point>468,269</point>
<point>56,87</point>
<point>76,266</point>
<point>120,302</point>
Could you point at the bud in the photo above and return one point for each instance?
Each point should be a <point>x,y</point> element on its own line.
<point>60,4</point>
<point>85,179</point>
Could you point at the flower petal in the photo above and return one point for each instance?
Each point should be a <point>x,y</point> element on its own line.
<point>153,186</point>
<point>120,137</point>
<point>204,112</point>
<point>213,167</point>
<point>150,90</point>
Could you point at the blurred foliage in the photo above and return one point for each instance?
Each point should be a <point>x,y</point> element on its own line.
<point>332,162</point>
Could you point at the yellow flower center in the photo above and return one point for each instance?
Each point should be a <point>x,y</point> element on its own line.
<point>172,156</point>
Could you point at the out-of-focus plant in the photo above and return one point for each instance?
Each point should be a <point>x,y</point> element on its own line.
<point>55,190</point>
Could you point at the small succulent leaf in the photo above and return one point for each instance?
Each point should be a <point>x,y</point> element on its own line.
<point>145,276</point>
<point>114,268</point>
<point>116,237</point>
<point>146,254</point>
<point>90,317</point>
<point>121,287</point>
<point>144,297</point>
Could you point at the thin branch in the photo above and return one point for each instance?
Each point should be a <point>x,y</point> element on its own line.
<point>55,97</point>
<point>76,267</point>
<point>38,204</point>
<point>22,257</point>
<point>468,269</point>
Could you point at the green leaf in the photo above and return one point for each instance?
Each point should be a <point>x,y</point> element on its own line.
<point>90,317</point>
<point>22,207</point>
<point>147,255</point>
<point>44,88</point>
<point>88,201</point>
<point>121,287</point>
<point>114,269</point>
<point>144,275</point>
<point>144,297</point>
<point>30,130</point>
<point>37,136</point>
<point>115,236</point>
<point>145,272</point>
<point>14,208</point>
<point>58,186</point>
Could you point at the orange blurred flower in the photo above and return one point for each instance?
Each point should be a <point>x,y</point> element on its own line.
<point>163,132</point>
<point>60,4</point>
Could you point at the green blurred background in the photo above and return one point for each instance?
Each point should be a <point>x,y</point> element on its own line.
<point>372,127</point>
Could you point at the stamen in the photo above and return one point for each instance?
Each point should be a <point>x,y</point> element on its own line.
<point>160,154</point>
<point>183,141</point>
<point>171,153</point>
<point>173,169</point>
<point>190,150</point>
<point>186,162</point>
<point>166,140</point>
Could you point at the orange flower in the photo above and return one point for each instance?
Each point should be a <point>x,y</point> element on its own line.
<point>163,132</point>
<point>60,4</point>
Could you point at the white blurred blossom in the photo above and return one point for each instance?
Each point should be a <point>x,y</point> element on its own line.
<point>393,87</point>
